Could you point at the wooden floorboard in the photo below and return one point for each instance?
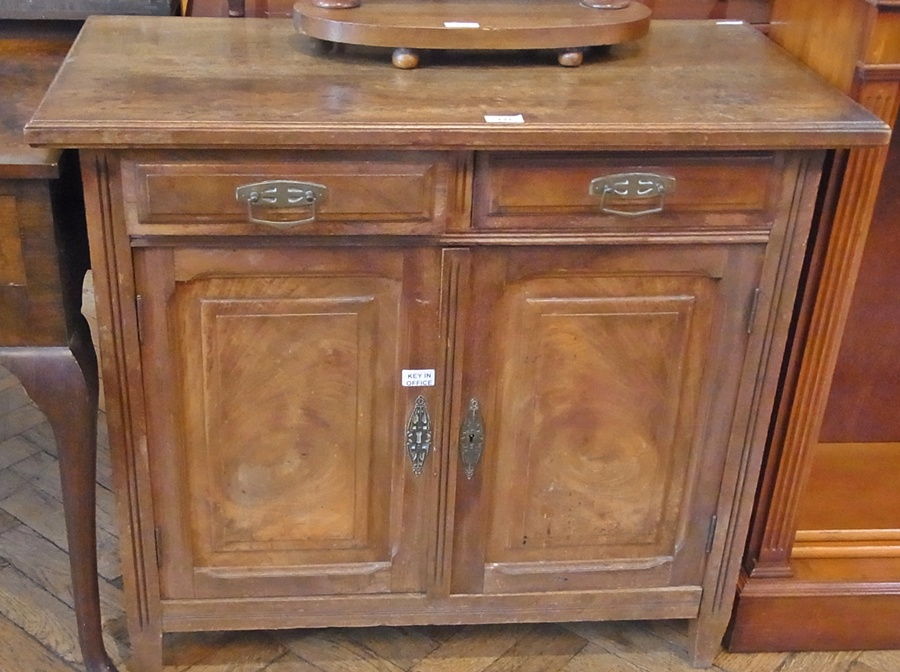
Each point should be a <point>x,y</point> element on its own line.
<point>37,627</point>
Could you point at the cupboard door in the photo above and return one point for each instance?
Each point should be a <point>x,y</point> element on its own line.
<point>605,380</point>
<point>277,421</point>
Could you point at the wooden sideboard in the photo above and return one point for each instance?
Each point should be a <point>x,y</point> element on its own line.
<point>488,341</point>
<point>823,566</point>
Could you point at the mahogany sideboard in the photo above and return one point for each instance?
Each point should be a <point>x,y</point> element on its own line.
<point>823,565</point>
<point>487,341</point>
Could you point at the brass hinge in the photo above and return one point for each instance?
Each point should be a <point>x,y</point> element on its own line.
<point>754,305</point>
<point>711,533</point>
<point>157,539</point>
<point>139,311</point>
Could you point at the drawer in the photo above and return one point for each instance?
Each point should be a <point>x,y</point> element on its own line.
<point>294,193</point>
<point>627,193</point>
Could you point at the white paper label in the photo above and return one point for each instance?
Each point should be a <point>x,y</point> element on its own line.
<point>504,118</point>
<point>418,378</point>
<point>461,24</point>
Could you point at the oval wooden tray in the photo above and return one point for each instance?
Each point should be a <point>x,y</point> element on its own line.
<point>409,25</point>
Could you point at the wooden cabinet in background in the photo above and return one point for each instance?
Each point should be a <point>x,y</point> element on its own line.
<point>751,11</point>
<point>598,297</point>
<point>823,566</point>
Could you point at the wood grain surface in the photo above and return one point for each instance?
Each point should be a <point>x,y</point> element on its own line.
<point>184,87</point>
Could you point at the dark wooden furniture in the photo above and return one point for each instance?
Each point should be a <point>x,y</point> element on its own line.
<point>823,566</point>
<point>77,10</point>
<point>467,344</point>
<point>752,11</point>
<point>44,339</point>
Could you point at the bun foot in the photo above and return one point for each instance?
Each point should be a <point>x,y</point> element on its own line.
<point>323,46</point>
<point>570,58</point>
<point>405,59</point>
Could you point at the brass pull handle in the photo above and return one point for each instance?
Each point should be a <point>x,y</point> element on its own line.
<point>418,435</point>
<point>281,194</point>
<point>639,187</point>
<point>471,438</point>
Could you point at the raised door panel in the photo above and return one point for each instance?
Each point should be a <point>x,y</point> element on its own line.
<point>606,381</point>
<point>288,448</point>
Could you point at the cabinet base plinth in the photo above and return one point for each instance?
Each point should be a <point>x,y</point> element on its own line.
<point>790,615</point>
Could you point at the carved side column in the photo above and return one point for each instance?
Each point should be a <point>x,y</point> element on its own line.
<point>774,604</point>
<point>861,180</point>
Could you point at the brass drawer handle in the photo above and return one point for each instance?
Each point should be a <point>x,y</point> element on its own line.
<point>632,187</point>
<point>418,435</point>
<point>281,194</point>
<point>471,438</point>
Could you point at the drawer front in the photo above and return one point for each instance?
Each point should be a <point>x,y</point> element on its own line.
<point>626,193</point>
<point>299,193</point>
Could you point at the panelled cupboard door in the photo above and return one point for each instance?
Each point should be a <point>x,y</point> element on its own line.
<point>605,379</point>
<point>278,421</point>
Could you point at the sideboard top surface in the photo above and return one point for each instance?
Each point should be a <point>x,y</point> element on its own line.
<point>210,82</point>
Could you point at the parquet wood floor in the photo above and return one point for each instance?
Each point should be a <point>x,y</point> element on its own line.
<point>37,627</point>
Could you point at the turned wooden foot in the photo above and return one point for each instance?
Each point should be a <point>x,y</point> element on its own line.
<point>570,58</point>
<point>405,59</point>
<point>63,384</point>
<point>323,46</point>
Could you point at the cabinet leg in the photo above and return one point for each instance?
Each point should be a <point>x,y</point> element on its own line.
<point>705,639</point>
<point>146,650</point>
<point>63,384</point>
